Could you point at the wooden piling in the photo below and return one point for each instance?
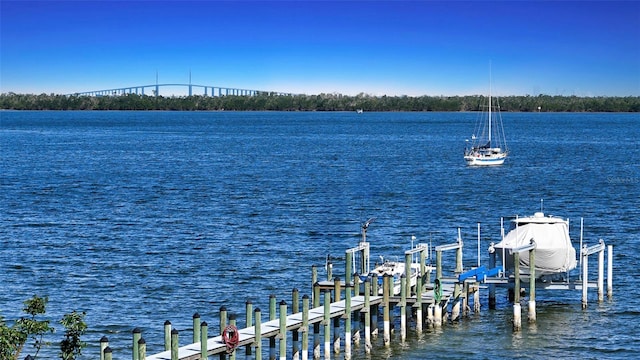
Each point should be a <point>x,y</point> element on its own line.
<point>233,321</point>
<point>532,284</point>
<point>167,335</point>
<point>367,316</point>
<point>386,321</point>
<point>373,313</point>
<point>283,330</point>
<point>517,322</point>
<point>609,271</point>
<point>258,333</point>
<point>142,349</point>
<point>316,326</point>
<point>196,328</point>
<point>104,343</point>
<point>295,336</point>
<point>492,287</point>
<point>175,344</point>
<point>305,327</point>
<point>108,353</point>
<point>347,321</point>
<point>248,306</point>
<point>204,330</point>
<point>418,304</point>
<point>336,320</point>
<point>403,307</point>
<point>585,276</point>
<point>137,334</point>
<point>327,324</point>
<point>601,273</point>
<point>272,316</point>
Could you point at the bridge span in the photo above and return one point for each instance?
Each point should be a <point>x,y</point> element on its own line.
<point>205,90</point>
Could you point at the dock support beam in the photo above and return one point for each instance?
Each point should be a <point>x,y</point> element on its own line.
<point>204,329</point>
<point>283,330</point>
<point>492,287</point>
<point>327,324</point>
<point>610,271</point>
<point>386,290</point>
<point>532,284</point>
<point>258,332</point>
<point>517,313</point>
<point>295,336</point>
<point>305,327</point>
<point>347,322</point>
<point>367,316</point>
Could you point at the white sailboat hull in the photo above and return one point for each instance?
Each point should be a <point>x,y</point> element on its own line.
<point>482,160</point>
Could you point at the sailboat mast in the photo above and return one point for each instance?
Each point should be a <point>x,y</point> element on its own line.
<point>489,104</point>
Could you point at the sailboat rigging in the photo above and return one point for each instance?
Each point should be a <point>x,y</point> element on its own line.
<point>488,143</point>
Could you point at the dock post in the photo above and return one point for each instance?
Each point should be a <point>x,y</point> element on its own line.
<point>167,335</point>
<point>386,291</point>
<point>204,336</point>
<point>356,315</point>
<point>430,315</point>
<point>327,324</point>
<point>283,330</point>
<point>457,291</point>
<point>610,271</point>
<point>137,335</point>
<point>196,328</point>
<point>248,305</point>
<point>367,316</point>
<point>532,284</point>
<point>174,344</point>
<point>316,326</point>
<point>258,333</point>
<point>373,313</point>
<point>418,304</point>
<point>348,267</point>
<point>314,279</point>
<point>104,343</point>
<point>476,297</point>
<point>223,319</point>
<point>272,316</point>
<point>585,275</point>
<point>142,349</point>
<point>465,299</point>
<point>517,321</point>
<point>492,286</point>
<point>295,335</point>
<point>108,353</point>
<point>305,327</point>
<point>347,321</point>
<point>601,273</point>
<point>233,322</point>
<point>403,307</point>
<point>407,273</point>
<point>336,321</point>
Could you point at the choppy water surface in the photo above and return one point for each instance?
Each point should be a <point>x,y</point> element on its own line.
<point>141,217</point>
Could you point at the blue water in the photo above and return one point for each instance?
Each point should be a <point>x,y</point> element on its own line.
<point>141,217</point>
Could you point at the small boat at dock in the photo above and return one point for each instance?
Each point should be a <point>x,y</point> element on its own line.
<point>555,255</point>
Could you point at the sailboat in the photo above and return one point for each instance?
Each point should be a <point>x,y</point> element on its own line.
<point>488,143</point>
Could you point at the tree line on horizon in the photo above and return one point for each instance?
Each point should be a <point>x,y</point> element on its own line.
<point>321,102</point>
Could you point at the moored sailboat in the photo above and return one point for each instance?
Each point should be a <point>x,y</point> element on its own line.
<point>488,143</point>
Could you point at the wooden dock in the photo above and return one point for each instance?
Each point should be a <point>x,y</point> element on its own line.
<point>445,299</point>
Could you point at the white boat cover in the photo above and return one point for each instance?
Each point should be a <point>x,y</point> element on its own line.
<point>554,251</point>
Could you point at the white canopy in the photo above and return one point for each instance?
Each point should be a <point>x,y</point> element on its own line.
<point>554,251</point>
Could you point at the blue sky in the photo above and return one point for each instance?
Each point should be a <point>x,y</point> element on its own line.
<point>583,48</point>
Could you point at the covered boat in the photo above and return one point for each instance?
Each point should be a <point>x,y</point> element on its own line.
<point>554,256</point>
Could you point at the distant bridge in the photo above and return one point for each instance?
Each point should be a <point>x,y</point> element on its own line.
<point>154,90</point>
